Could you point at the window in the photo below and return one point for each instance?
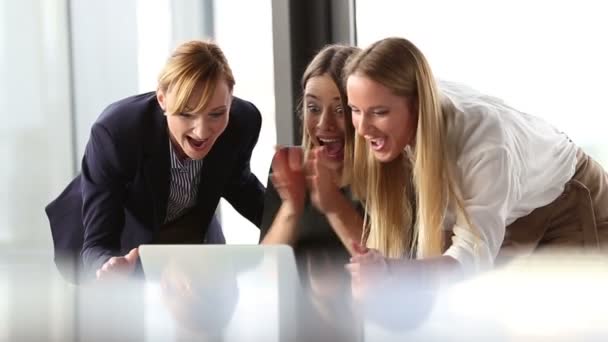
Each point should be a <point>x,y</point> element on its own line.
<point>35,135</point>
<point>246,38</point>
<point>543,57</point>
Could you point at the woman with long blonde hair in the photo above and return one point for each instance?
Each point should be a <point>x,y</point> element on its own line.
<point>454,178</point>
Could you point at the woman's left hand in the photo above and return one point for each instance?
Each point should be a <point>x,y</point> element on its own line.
<point>322,182</point>
<point>368,269</point>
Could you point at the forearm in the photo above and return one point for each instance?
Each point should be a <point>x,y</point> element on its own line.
<point>346,222</point>
<point>284,228</point>
<point>100,242</point>
<point>94,257</point>
<point>425,274</point>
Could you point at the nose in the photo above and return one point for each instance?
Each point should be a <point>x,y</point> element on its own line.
<point>361,123</point>
<point>199,127</point>
<point>327,120</point>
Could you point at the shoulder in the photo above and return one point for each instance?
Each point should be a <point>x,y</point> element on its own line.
<point>244,114</point>
<point>244,124</point>
<point>130,118</point>
<point>475,122</point>
<point>130,113</point>
<point>127,127</point>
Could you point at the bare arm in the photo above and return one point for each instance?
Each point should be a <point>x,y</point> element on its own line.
<point>370,271</point>
<point>287,187</point>
<point>284,228</point>
<point>426,273</point>
<point>327,198</point>
<point>346,222</point>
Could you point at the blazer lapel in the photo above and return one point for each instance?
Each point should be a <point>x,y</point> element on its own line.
<point>208,186</point>
<point>157,165</point>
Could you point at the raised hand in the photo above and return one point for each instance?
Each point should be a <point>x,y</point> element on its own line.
<point>323,182</point>
<point>118,266</point>
<point>288,176</point>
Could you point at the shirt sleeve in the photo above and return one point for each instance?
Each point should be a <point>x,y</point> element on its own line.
<point>489,189</point>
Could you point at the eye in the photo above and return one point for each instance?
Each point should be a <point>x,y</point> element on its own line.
<point>339,110</point>
<point>354,110</point>
<point>217,114</point>
<point>313,109</point>
<point>380,112</point>
<point>185,115</point>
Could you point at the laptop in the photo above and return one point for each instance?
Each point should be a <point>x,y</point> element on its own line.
<point>234,292</point>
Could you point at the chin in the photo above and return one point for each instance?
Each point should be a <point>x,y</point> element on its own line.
<point>385,157</point>
<point>335,165</point>
<point>197,155</point>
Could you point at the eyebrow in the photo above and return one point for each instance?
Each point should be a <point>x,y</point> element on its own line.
<point>222,107</point>
<point>317,98</point>
<point>189,110</point>
<point>372,108</point>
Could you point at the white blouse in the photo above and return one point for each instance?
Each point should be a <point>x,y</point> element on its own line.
<point>510,163</point>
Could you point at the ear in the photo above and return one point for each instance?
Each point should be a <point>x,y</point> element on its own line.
<point>160,97</point>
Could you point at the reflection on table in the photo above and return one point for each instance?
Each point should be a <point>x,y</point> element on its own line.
<point>558,298</point>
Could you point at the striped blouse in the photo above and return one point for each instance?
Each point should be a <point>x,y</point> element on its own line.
<point>183,185</point>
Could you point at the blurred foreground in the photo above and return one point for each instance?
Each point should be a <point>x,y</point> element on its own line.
<point>548,298</point>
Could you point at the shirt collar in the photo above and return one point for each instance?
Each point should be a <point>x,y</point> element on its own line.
<point>176,163</point>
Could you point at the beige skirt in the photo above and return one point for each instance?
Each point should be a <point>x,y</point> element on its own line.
<point>577,221</point>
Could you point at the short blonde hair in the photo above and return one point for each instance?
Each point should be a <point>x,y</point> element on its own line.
<point>194,63</point>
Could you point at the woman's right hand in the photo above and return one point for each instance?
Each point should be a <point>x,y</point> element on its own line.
<point>369,272</point>
<point>288,177</point>
<point>117,267</point>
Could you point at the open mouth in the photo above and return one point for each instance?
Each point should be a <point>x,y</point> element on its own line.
<point>334,146</point>
<point>196,144</point>
<point>377,144</point>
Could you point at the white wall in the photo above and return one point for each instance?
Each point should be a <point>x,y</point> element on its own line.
<point>542,56</point>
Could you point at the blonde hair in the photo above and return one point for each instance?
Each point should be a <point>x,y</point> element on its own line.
<point>406,198</point>
<point>192,64</point>
<point>330,61</point>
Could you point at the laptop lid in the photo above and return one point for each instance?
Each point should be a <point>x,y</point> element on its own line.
<point>233,291</point>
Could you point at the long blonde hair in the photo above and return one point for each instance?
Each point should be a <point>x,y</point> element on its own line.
<point>406,198</point>
<point>194,63</point>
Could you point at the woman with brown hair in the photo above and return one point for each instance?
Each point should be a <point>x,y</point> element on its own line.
<point>308,213</point>
<point>308,204</point>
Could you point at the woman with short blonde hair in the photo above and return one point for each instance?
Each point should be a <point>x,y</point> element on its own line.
<point>156,165</point>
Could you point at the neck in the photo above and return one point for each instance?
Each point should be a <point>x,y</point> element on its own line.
<point>181,155</point>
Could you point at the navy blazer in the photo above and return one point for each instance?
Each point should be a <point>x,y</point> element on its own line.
<point>119,200</point>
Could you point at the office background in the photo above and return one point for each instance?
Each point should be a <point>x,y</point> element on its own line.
<point>63,61</point>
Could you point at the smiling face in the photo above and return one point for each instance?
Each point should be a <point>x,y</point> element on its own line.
<point>324,117</point>
<point>386,121</point>
<point>192,132</point>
